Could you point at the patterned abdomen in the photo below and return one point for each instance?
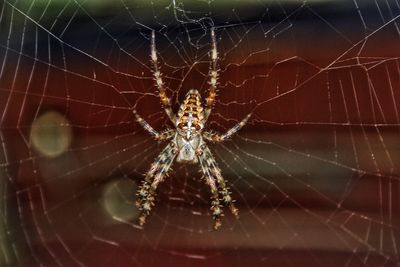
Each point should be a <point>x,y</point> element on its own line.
<point>190,116</point>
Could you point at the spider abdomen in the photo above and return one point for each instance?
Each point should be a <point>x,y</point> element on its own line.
<point>187,149</point>
<point>190,117</point>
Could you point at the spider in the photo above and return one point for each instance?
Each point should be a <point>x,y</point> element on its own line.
<point>187,142</point>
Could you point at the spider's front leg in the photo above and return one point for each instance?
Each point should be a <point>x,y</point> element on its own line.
<point>213,176</point>
<point>166,102</point>
<point>157,173</point>
<point>213,76</point>
<point>214,137</point>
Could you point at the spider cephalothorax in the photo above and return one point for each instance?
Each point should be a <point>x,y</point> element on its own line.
<point>187,142</point>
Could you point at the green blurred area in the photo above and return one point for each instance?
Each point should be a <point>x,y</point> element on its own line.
<point>248,8</point>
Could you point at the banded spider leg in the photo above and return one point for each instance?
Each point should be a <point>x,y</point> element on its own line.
<point>166,102</point>
<point>213,177</point>
<point>157,173</point>
<point>158,170</point>
<point>213,75</point>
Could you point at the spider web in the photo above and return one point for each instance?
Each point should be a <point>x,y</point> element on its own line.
<point>315,171</point>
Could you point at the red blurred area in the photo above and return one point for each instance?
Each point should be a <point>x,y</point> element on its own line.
<point>310,100</point>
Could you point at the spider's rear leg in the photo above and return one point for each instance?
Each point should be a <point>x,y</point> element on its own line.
<point>224,190</point>
<point>213,177</point>
<point>217,212</point>
<point>157,173</point>
<point>144,189</point>
<point>213,169</point>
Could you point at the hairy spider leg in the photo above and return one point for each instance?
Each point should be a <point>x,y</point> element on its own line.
<point>166,102</point>
<point>213,75</point>
<point>215,137</point>
<point>165,135</point>
<point>217,212</point>
<point>158,171</point>
<point>212,168</point>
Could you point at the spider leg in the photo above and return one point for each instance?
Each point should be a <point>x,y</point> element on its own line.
<point>215,204</point>
<point>213,177</point>
<point>159,81</point>
<point>213,75</point>
<point>158,171</point>
<point>214,137</point>
<point>209,166</point>
<point>165,135</point>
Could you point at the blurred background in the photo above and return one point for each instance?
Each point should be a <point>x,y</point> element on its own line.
<point>315,172</point>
